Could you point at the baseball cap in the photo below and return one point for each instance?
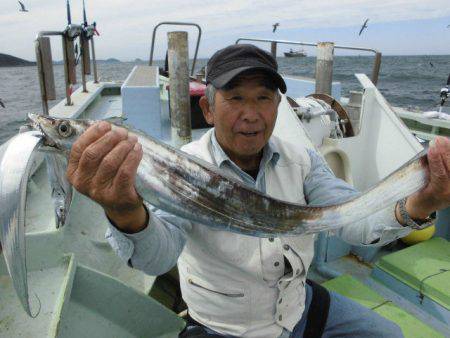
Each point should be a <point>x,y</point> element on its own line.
<point>231,61</point>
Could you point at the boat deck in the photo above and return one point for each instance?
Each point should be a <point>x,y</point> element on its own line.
<point>74,272</point>
<point>362,274</point>
<point>425,128</point>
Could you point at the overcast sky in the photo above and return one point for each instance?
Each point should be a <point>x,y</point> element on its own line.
<point>395,26</point>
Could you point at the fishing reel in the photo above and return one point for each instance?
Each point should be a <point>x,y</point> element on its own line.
<point>445,92</point>
<point>72,31</point>
<point>90,30</point>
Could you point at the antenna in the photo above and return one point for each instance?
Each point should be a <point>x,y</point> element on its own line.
<point>69,19</point>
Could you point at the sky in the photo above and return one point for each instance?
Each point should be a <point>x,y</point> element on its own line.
<point>395,27</point>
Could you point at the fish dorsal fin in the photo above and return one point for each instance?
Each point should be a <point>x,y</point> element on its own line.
<point>117,120</point>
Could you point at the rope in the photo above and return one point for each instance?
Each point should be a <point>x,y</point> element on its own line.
<point>422,285</point>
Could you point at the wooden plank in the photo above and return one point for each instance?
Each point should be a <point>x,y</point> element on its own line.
<point>45,67</point>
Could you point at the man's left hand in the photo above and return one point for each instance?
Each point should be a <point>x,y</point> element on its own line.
<point>436,194</point>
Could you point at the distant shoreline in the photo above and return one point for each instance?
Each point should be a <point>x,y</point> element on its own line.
<point>12,61</point>
<point>7,60</point>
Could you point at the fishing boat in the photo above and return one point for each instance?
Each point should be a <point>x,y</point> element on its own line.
<point>78,287</point>
<point>427,125</point>
<point>295,53</point>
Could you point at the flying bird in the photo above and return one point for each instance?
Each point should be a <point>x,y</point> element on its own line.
<point>2,104</point>
<point>22,7</point>
<point>364,26</point>
<point>275,25</point>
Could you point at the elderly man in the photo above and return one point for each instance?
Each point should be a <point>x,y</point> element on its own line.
<point>236,285</point>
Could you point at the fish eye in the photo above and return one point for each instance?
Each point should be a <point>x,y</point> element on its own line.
<point>64,129</point>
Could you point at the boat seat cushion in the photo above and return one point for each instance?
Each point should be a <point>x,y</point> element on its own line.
<point>362,294</point>
<point>424,267</point>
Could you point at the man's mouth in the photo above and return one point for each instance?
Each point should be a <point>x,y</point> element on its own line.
<point>249,133</point>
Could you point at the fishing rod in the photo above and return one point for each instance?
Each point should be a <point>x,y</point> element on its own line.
<point>87,35</point>
<point>89,29</point>
<point>72,31</point>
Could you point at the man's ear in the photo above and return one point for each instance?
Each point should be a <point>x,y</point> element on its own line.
<point>207,111</point>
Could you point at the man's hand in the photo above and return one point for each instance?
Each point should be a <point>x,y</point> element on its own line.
<point>102,165</point>
<point>436,194</point>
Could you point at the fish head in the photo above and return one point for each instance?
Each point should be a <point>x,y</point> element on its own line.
<point>59,133</point>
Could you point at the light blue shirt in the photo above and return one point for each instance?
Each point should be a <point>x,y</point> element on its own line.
<point>169,232</point>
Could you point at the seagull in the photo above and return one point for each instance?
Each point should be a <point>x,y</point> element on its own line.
<point>2,104</point>
<point>22,7</point>
<point>364,26</point>
<point>275,27</point>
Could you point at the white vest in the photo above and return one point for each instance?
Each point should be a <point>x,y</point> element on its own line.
<point>221,273</point>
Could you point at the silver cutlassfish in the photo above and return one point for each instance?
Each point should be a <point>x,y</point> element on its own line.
<point>16,164</point>
<point>193,189</point>
<point>62,190</point>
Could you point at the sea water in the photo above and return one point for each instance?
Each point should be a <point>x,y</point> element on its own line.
<point>406,81</point>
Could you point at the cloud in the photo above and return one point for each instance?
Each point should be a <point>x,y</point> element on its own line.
<point>126,26</point>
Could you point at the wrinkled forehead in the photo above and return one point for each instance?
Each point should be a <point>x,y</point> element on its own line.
<point>256,77</point>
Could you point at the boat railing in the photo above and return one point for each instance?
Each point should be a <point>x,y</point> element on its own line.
<point>274,43</point>
<point>176,23</point>
<point>44,60</point>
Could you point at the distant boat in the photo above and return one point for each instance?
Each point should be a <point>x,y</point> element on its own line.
<point>295,53</point>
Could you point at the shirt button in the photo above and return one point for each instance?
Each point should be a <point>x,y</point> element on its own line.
<point>286,247</point>
<point>280,318</point>
<point>271,239</point>
<point>276,263</point>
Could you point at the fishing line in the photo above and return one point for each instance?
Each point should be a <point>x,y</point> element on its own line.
<point>422,283</point>
<point>381,304</point>
<point>40,305</point>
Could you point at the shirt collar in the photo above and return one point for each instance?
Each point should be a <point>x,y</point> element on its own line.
<point>270,153</point>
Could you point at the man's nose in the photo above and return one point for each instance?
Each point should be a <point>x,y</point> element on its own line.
<point>250,112</point>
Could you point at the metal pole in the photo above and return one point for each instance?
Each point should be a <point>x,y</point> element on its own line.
<point>94,61</point>
<point>376,68</point>
<point>84,59</point>
<point>83,77</point>
<point>273,49</point>
<point>150,62</point>
<point>180,108</point>
<point>324,67</point>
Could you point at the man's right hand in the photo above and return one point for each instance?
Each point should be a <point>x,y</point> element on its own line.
<point>103,165</point>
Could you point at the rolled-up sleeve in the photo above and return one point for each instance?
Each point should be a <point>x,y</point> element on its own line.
<point>154,250</point>
<point>321,187</point>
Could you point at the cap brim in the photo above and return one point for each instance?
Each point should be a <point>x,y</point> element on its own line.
<point>222,80</point>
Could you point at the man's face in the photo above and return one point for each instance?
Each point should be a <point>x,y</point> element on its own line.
<point>244,117</point>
